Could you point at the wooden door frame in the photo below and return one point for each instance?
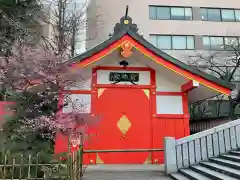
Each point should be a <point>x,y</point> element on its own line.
<point>151,87</point>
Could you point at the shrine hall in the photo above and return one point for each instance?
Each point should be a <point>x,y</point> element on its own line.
<point>141,95</point>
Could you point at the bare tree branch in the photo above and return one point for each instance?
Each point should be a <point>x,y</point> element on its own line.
<point>224,65</point>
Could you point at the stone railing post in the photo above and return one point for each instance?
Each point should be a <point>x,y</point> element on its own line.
<point>170,157</point>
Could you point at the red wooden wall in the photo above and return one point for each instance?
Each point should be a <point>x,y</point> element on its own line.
<point>170,127</point>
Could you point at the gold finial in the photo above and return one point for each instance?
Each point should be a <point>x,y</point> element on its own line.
<point>126,21</point>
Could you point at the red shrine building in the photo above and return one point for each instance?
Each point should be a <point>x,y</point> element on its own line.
<point>141,95</point>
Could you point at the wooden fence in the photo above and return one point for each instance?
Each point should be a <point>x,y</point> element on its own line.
<point>198,147</point>
<point>207,123</point>
<point>31,167</point>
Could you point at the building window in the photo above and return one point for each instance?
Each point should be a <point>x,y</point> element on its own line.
<point>237,15</point>
<point>170,13</point>
<point>190,42</point>
<point>214,14</point>
<point>220,43</point>
<point>188,13</point>
<point>215,43</point>
<point>166,42</point>
<point>152,13</point>
<point>163,13</point>
<point>177,13</point>
<point>206,43</point>
<point>231,42</point>
<point>179,42</point>
<point>211,14</point>
<point>228,15</point>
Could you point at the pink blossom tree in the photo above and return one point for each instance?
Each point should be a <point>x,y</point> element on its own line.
<point>33,79</point>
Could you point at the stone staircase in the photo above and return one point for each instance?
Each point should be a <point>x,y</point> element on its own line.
<point>223,167</point>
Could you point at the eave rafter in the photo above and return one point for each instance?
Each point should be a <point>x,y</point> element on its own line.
<point>189,86</point>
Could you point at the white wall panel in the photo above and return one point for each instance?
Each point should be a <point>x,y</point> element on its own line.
<point>131,63</point>
<point>83,80</point>
<point>169,105</point>
<point>82,84</point>
<point>103,77</point>
<point>80,103</point>
<point>167,83</point>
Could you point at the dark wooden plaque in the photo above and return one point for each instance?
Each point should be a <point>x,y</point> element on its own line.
<point>123,77</point>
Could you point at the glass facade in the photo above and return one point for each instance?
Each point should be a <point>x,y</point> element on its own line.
<point>170,13</point>
<point>177,42</point>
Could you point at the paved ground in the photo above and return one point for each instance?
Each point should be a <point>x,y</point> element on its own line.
<point>125,172</point>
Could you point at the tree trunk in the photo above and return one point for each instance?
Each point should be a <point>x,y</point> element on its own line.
<point>73,43</point>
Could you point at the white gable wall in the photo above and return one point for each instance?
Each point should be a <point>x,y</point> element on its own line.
<point>80,103</point>
<point>115,62</point>
<point>166,81</point>
<point>164,84</point>
<point>84,82</point>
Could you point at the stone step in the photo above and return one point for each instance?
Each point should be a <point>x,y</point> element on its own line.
<point>226,162</point>
<point>125,168</point>
<point>211,173</point>
<point>118,175</point>
<point>125,172</point>
<point>237,153</point>
<point>222,169</point>
<point>231,157</point>
<point>193,175</point>
<point>178,176</point>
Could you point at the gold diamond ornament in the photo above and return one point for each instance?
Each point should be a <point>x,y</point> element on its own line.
<point>100,91</point>
<point>124,124</point>
<point>98,159</point>
<point>149,159</point>
<point>147,92</point>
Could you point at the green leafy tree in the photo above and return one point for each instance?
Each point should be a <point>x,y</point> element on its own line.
<point>21,134</point>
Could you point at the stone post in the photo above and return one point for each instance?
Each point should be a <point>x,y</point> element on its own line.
<point>170,157</point>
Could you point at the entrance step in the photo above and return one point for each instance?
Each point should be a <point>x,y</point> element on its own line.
<point>125,168</point>
<point>125,172</point>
